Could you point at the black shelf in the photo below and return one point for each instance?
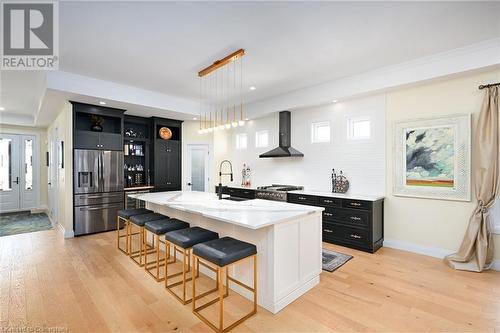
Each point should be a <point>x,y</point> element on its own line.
<point>130,139</point>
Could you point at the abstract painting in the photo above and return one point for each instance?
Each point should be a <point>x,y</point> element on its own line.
<point>430,157</point>
<point>433,158</point>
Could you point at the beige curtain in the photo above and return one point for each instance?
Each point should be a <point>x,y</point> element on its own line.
<point>476,252</point>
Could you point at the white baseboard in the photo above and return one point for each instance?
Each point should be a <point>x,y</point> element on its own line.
<point>416,248</point>
<point>495,265</point>
<point>65,233</point>
<point>41,209</point>
<point>427,250</point>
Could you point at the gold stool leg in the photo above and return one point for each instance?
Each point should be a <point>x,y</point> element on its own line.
<point>157,257</point>
<point>220,272</point>
<point>221,295</point>
<point>120,236</point>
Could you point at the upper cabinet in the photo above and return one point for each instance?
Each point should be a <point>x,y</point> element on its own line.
<point>97,127</point>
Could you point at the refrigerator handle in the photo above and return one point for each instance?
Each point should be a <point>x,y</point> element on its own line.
<point>101,166</point>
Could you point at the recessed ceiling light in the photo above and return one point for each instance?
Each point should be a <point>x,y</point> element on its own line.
<point>194,118</point>
<point>102,103</point>
<point>335,101</point>
<point>2,108</point>
<point>246,119</point>
<point>252,88</point>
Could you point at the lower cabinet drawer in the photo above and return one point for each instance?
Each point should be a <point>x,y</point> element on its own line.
<point>245,193</point>
<point>357,218</point>
<point>301,199</point>
<point>353,235</point>
<point>356,204</point>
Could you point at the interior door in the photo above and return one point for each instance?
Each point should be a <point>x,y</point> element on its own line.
<point>53,183</point>
<point>198,168</point>
<point>9,172</point>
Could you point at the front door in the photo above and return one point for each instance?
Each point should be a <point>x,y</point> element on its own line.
<point>198,167</point>
<point>18,172</point>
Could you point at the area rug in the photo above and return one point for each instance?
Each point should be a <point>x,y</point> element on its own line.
<point>20,223</point>
<point>333,260</point>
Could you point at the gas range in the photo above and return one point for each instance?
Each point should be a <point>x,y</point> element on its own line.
<point>275,192</point>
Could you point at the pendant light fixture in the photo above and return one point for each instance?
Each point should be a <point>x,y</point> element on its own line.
<point>221,93</point>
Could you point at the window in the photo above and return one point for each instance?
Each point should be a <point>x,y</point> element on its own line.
<point>262,139</point>
<point>320,132</point>
<point>28,163</point>
<point>495,216</point>
<point>358,128</point>
<point>241,141</point>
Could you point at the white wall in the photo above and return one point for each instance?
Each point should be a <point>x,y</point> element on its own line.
<point>435,226</point>
<point>363,161</point>
<point>42,145</point>
<point>65,178</point>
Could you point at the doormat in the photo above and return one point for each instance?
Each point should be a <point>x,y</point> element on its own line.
<point>23,222</point>
<point>332,260</point>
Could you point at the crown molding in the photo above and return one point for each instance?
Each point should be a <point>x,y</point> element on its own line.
<point>469,58</point>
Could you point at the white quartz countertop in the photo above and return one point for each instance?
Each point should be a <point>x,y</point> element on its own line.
<point>339,195</point>
<point>252,214</point>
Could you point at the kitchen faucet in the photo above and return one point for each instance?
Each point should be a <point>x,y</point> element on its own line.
<point>224,174</point>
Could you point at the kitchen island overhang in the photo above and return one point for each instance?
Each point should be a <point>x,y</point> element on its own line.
<point>288,239</point>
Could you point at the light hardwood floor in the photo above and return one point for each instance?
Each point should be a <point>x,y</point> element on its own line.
<point>86,285</point>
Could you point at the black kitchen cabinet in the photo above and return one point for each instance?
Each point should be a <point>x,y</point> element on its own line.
<point>111,136</point>
<point>358,224</point>
<point>97,140</point>
<point>167,165</point>
<point>238,192</point>
<point>166,159</point>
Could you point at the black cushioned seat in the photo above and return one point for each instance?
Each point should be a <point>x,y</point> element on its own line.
<point>140,220</point>
<point>127,213</point>
<point>224,251</point>
<point>160,227</point>
<point>186,238</point>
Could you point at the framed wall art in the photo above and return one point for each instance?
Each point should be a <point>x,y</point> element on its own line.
<point>433,158</point>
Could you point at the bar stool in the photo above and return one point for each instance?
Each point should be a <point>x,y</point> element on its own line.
<point>224,253</point>
<point>159,227</point>
<point>183,241</point>
<point>140,221</point>
<point>124,215</point>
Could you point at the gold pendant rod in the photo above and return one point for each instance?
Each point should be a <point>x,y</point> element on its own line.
<point>221,62</point>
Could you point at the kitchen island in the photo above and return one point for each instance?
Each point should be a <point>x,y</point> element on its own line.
<point>287,236</point>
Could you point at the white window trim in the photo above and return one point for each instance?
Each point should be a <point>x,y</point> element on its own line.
<point>314,125</point>
<point>257,134</point>
<point>350,129</point>
<point>237,141</point>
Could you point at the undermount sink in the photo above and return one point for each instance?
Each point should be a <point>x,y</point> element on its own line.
<point>236,199</point>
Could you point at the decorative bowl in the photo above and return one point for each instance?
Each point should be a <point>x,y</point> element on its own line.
<point>165,133</point>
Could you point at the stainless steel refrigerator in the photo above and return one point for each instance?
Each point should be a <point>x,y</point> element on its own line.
<point>98,190</point>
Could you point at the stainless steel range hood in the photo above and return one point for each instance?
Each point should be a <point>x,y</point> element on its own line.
<point>284,149</point>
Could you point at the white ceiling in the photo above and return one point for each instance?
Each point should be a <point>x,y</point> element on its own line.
<point>160,46</point>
